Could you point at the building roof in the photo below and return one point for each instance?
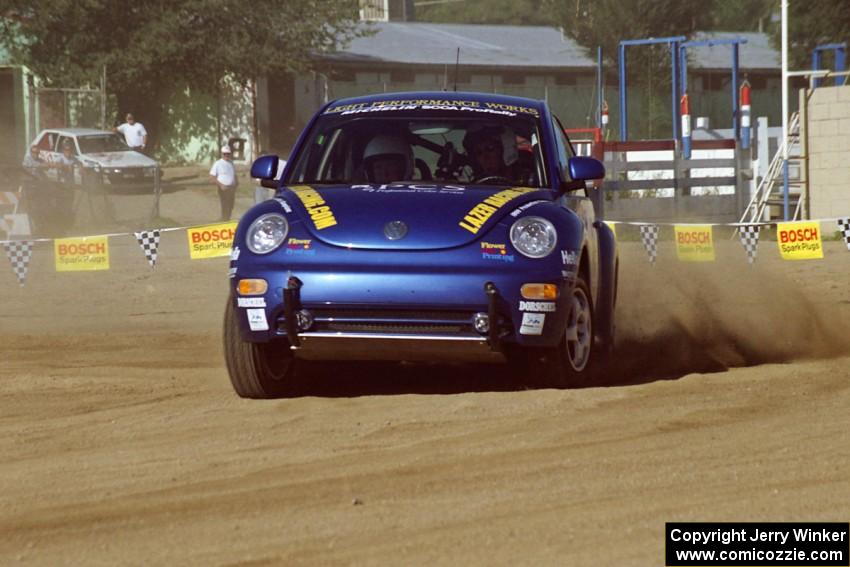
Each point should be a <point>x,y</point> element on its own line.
<point>757,53</point>
<point>420,43</point>
<point>523,47</point>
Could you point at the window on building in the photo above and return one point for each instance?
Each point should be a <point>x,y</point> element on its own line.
<point>402,76</point>
<point>513,78</point>
<point>565,79</point>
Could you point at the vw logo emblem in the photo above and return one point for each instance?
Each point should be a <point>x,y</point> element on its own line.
<point>395,230</point>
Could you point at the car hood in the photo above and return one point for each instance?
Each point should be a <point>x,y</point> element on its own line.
<point>119,159</point>
<point>433,215</point>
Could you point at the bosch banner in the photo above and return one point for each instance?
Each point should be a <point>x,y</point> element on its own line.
<point>211,241</point>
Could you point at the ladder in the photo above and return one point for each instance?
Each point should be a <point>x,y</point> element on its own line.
<point>769,191</point>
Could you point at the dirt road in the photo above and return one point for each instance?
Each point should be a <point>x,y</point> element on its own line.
<point>122,442</point>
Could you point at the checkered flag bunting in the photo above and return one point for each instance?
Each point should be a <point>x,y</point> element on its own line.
<point>844,226</point>
<point>149,241</point>
<point>749,234</point>
<point>649,236</point>
<point>20,254</point>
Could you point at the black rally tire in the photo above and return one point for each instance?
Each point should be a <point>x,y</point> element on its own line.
<point>257,370</point>
<point>574,361</point>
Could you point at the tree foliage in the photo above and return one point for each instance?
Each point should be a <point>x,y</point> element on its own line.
<point>811,24</point>
<point>507,12</point>
<point>150,48</point>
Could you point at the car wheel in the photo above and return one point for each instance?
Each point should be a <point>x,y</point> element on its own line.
<point>571,363</point>
<point>257,370</point>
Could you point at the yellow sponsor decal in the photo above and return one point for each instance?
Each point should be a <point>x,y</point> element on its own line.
<point>694,243</point>
<point>799,240</point>
<point>481,213</point>
<point>211,241</point>
<point>613,227</point>
<point>319,211</point>
<point>81,254</point>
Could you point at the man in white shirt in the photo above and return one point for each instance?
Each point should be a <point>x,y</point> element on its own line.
<point>223,174</point>
<point>134,133</point>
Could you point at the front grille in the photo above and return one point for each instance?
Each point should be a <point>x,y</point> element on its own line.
<point>392,328</point>
<point>397,322</point>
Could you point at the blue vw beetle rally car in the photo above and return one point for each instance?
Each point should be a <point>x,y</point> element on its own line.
<point>423,226</point>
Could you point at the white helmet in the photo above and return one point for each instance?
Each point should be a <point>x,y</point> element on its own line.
<point>385,145</point>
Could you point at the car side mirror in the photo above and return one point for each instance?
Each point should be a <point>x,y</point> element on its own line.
<point>586,168</point>
<point>264,168</point>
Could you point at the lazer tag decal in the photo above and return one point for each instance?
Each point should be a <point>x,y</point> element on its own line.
<point>234,254</point>
<point>481,213</point>
<point>319,211</point>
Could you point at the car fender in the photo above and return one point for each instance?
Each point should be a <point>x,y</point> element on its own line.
<point>607,300</point>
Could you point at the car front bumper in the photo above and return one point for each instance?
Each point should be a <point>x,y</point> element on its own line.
<point>403,316</point>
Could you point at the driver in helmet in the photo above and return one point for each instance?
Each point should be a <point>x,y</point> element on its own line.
<point>387,159</point>
<point>492,152</point>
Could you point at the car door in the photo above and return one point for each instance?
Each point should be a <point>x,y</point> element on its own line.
<point>579,201</point>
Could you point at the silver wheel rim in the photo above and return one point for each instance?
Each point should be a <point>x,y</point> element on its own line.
<point>579,333</point>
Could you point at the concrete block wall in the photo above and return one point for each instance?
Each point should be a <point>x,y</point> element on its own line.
<point>829,152</point>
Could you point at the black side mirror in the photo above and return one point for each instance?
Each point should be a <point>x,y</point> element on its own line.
<point>264,168</point>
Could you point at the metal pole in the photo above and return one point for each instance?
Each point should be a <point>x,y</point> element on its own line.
<point>816,57</point>
<point>736,131</point>
<point>103,99</point>
<point>683,70</point>
<point>599,87</point>
<point>623,109</point>
<point>839,63</point>
<point>785,109</point>
<point>674,99</point>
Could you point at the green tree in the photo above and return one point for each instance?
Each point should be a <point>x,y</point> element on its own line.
<point>508,12</point>
<point>150,49</point>
<point>811,24</point>
<point>605,23</point>
<point>734,15</point>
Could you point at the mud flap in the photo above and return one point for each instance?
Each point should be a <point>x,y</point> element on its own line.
<point>608,266</point>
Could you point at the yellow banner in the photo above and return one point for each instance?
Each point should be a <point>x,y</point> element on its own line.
<point>799,240</point>
<point>694,243</point>
<point>211,241</point>
<point>81,254</point>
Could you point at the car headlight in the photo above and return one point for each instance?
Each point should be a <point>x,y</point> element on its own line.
<point>266,233</point>
<point>534,237</point>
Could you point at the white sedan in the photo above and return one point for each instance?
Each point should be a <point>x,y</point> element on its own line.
<point>104,157</point>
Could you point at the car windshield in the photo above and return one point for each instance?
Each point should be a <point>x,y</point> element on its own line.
<point>403,141</point>
<point>101,143</point>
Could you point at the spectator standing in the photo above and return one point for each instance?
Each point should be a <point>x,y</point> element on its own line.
<point>134,133</point>
<point>67,163</point>
<point>223,174</point>
<point>34,165</point>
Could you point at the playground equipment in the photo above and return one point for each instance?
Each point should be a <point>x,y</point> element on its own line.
<point>839,50</point>
<point>673,42</point>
